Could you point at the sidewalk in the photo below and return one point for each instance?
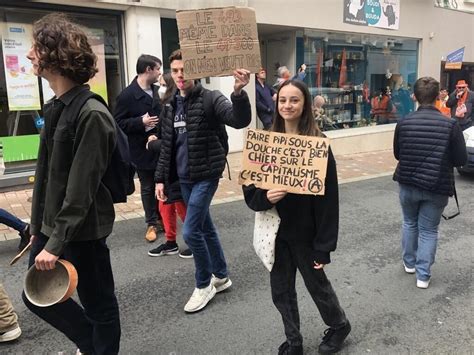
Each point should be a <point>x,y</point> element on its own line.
<point>350,168</point>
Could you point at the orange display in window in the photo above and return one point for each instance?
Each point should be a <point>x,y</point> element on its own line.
<point>441,106</point>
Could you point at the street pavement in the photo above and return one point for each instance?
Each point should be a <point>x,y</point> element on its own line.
<point>351,167</point>
<point>389,315</point>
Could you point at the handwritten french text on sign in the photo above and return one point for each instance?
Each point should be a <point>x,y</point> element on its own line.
<point>277,160</point>
<point>215,42</point>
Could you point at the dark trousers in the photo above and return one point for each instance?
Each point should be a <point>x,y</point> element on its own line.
<point>147,191</point>
<point>95,327</point>
<point>288,258</point>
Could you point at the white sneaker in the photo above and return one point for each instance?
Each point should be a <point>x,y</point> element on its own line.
<point>220,284</point>
<point>409,270</point>
<point>422,284</point>
<point>10,335</point>
<point>200,298</point>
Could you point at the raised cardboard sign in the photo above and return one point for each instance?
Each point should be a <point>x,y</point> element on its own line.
<point>278,160</point>
<point>215,42</point>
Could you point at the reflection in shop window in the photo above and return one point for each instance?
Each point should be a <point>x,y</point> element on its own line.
<point>363,79</point>
<point>22,94</point>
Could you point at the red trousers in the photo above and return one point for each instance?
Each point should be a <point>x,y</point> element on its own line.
<point>168,214</point>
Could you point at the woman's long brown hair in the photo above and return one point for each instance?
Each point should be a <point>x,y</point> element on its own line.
<point>307,125</point>
<point>170,89</point>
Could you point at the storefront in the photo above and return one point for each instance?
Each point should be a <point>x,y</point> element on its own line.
<point>22,94</point>
<point>350,58</point>
<point>351,71</point>
<point>354,49</point>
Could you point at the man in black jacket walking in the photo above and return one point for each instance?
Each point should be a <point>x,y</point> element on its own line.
<point>193,151</point>
<point>137,114</point>
<point>427,147</point>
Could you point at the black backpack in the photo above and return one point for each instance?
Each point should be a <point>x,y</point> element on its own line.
<point>118,177</point>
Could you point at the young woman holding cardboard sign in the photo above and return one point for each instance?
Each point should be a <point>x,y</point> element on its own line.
<point>307,234</point>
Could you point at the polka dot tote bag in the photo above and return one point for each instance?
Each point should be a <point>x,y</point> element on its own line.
<point>264,235</point>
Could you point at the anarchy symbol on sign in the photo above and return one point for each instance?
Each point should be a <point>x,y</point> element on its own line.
<point>315,185</point>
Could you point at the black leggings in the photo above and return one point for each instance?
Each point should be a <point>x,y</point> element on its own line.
<point>288,258</point>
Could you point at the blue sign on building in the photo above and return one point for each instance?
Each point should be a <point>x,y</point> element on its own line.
<point>454,59</point>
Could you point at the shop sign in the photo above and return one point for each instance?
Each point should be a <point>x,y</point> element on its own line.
<point>22,84</point>
<point>215,42</point>
<point>454,59</point>
<point>373,13</point>
<point>295,163</point>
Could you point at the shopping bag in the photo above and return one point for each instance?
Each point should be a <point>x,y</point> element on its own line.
<point>264,235</point>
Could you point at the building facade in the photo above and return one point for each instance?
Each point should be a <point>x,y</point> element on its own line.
<point>352,50</point>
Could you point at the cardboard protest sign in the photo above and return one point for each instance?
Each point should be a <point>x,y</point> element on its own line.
<point>215,42</point>
<point>277,160</point>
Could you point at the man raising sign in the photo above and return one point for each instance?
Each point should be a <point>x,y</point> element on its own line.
<point>193,150</point>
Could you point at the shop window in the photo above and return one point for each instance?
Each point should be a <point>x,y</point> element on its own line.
<point>22,94</point>
<point>364,79</point>
<point>449,77</point>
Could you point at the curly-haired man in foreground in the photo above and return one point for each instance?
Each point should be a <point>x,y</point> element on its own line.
<point>72,210</point>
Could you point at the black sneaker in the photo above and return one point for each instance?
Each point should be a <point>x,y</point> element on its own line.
<point>186,254</point>
<point>24,237</point>
<point>287,349</point>
<point>164,249</point>
<point>333,339</point>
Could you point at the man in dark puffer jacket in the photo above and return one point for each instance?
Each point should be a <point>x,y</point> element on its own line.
<point>427,147</point>
<point>193,152</point>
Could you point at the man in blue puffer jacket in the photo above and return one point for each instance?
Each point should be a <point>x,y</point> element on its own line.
<point>427,147</point>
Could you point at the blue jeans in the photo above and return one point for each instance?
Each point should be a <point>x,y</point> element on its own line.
<point>10,220</point>
<point>94,327</point>
<point>199,232</point>
<point>421,216</point>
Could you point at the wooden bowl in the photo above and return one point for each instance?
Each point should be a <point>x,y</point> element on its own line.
<point>45,288</point>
